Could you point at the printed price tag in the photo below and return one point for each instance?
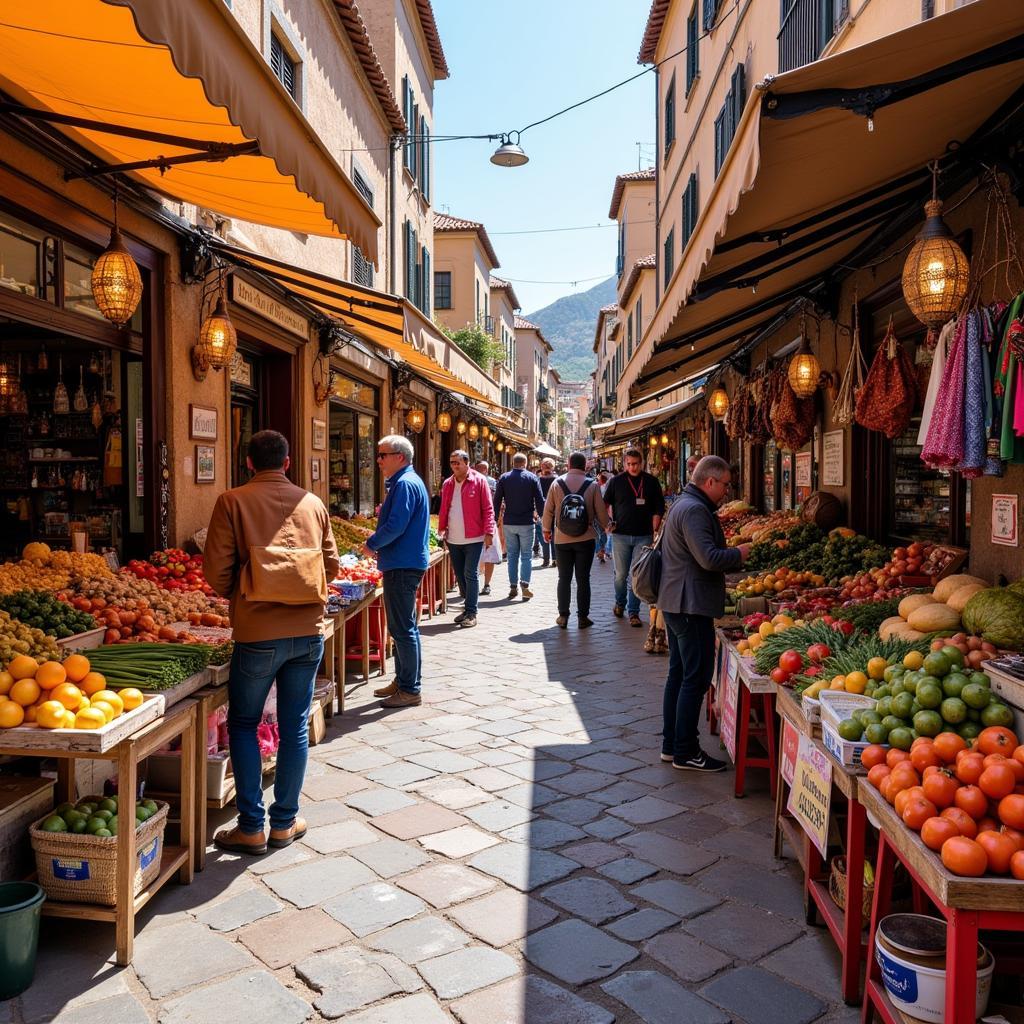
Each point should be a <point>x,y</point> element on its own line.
<point>810,797</point>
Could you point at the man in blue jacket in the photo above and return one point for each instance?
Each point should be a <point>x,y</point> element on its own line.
<point>401,544</point>
<point>519,491</point>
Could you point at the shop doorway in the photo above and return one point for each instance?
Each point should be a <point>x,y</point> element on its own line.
<point>353,433</point>
<point>262,398</point>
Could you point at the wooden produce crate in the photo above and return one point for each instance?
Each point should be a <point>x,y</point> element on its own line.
<point>22,801</point>
<point>847,753</point>
<point>958,561</point>
<point>82,641</point>
<point>86,741</point>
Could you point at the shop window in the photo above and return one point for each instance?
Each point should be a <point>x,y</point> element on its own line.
<point>21,250</point>
<point>921,496</point>
<point>352,448</point>
<point>286,70</point>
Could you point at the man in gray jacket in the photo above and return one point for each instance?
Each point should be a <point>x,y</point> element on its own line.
<point>691,596</point>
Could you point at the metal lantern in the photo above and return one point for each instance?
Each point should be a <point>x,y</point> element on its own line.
<point>718,403</point>
<point>116,282</point>
<point>509,153</point>
<point>664,439</point>
<point>444,422</point>
<point>485,433</point>
<point>474,431</point>
<point>460,427</point>
<point>217,337</point>
<point>416,420</point>
<point>935,276</point>
<point>653,440</point>
<point>8,383</point>
<point>804,371</point>
<point>499,446</point>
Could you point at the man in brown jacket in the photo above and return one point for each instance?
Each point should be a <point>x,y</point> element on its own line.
<point>270,551</point>
<point>573,505</point>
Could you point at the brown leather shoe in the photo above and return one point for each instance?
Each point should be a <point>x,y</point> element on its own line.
<point>234,840</point>
<point>280,837</point>
<point>387,691</point>
<point>401,699</point>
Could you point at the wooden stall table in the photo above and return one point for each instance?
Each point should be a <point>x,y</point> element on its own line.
<point>361,609</point>
<point>126,752</point>
<point>967,904</point>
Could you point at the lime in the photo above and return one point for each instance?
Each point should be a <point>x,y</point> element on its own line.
<point>54,823</point>
<point>929,695</point>
<point>882,691</point>
<point>884,706</point>
<point>103,833</point>
<point>997,714</point>
<point>141,814</point>
<point>915,707</point>
<point>86,807</point>
<point>112,825</point>
<point>899,684</point>
<point>893,722</point>
<point>150,806</point>
<point>973,715</point>
<point>901,705</point>
<point>77,826</point>
<point>928,723</point>
<point>892,672</point>
<point>953,710</point>
<point>969,730</point>
<point>954,683</point>
<point>105,814</point>
<point>63,809</point>
<point>901,738</point>
<point>74,815</point>
<point>981,679</point>
<point>956,659</point>
<point>876,733</point>
<point>938,664</point>
<point>975,695</point>
<point>108,805</point>
<point>868,717</point>
<point>95,823</point>
<point>850,730</point>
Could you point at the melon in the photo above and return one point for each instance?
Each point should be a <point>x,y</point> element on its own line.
<point>960,597</point>
<point>914,601</point>
<point>905,631</point>
<point>932,617</point>
<point>887,626</point>
<point>946,588</point>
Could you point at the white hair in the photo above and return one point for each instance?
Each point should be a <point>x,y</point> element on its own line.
<point>482,466</point>
<point>708,467</point>
<point>519,459</point>
<point>400,444</point>
<point>548,463</point>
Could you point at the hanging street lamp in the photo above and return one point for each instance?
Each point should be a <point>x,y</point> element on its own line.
<point>444,422</point>
<point>718,403</point>
<point>416,420</point>
<point>509,153</point>
<point>116,282</point>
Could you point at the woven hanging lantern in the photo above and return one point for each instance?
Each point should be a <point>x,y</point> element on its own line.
<point>460,427</point>
<point>444,422</point>
<point>116,282</point>
<point>416,420</point>
<point>804,370</point>
<point>935,276</point>
<point>718,403</point>
<point>499,446</point>
<point>474,431</point>
<point>664,439</point>
<point>653,440</point>
<point>217,338</point>
<point>8,382</point>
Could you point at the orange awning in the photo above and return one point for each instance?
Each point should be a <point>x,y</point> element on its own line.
<point>187,71</point>
<point>806,183</point>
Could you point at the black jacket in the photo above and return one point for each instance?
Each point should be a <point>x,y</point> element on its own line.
<point>632,520</point>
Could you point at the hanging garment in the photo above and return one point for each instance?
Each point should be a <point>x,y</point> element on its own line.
<point>113,469</point>
<point>975,437</point>
<point>944,446</point>
<point>939,358</point>
<point>1011,448</point>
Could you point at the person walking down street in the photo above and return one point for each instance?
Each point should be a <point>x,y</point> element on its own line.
<point>466,522</point>
<point>483,467</point>
<point>604,538</point>
<point>572,507</point>
<point>520,501</point>
<point>694,559</point>
<point>270,551</point>
<point>401,544</point>
<point>636,505</point>
<point>540,545</point>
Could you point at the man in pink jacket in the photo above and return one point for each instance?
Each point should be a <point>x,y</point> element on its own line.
<point>466,523</point>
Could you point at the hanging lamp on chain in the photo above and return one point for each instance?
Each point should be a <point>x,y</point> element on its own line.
<point>217,336</point>
<point>416,420</point>
<point>116,281</point>
<point>804,370</point>
<point>444,421</point>
<point>936,274</point>
<point>460,428</point>
<point>474,431</point>
<point>718,403</point>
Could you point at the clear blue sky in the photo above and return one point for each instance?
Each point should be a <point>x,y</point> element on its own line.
<point>513,63</point>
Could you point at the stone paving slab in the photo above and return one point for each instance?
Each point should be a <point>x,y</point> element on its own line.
<point>519,866</point>
<point>656,999</point>
<point>254,998</point>
<point>372,907</point>
<point>419,820</point>
<point>239,910</point>
<point>441,885</point>
<point>502,917</point>
<point>318,880</point>
<point>421,1009</point>
<point>530,1000</point>
<point>466,970</point>
<point>759,997</point>
<point>289,937</point>
<point>422,939</point>
<point>591,899</point>
<point>123,1009</point>
<point>459,842</point>
<point>576,953</point>
<point>390,857</point>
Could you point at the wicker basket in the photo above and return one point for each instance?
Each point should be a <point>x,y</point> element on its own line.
<point>837,887</point>
<point>79,868</point>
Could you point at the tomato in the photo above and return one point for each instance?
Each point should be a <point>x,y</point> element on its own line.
<point>969,768</point>
<point>997,781</point>
<point>1018,754</point>
<point>923,755</point>
<point>963,821</point>
<point>948,744</point>
<point>1017,865</point>
<point>972,800</point>
<point>818,652</point>
<point>988,824</point>
<point>935,831</point>
<point>1016,836</point>
<point>940,787</point>
<point>917,811</point>
<point>964,856</point>
<point>877,774</point>
<point>997,740</point>
<point>872,755</point>
<point>904,796</point>
<point>791,661</point>
<point>894,756</point>
<point>1011,811</point>
<point>779,676</point>
<point>999,850</point>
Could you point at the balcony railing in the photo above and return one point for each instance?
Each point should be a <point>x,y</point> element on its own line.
<point>807,26</point>
<point>543,394</point>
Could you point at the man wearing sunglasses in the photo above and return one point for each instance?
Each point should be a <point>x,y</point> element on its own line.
<point>401,545</point>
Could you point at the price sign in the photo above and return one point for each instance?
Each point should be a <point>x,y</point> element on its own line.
<point>811,794</point>
<point>832,459</point>
<point>1004,520</point>
<point>790,747</point>
<point>729,702</point>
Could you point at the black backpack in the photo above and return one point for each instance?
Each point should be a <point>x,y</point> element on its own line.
<point>573,518</point>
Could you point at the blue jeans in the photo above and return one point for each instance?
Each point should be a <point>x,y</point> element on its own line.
<point>400,586</point>
<point>519,546</point>
<point>293,662</point>
<point>545,547</point>
<point>466,563</point>
<point>691,665</point>
<point>604,539</point>
<point>624,549</point>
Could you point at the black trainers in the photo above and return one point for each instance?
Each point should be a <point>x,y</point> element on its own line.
<point>486,590</point>
<point>618,611</point>
<point>700,762</point>
<point>469,622</point>
<point>585,623</point>
<point>666,757</point>
<point>458,618</point>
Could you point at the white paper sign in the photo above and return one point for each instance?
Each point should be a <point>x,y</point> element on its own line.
<point>1004,520</point>
<point>832,459</point>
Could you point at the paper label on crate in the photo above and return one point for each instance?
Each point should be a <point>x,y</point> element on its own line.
<point>147,856</point>
<point>810,797</point>
<point>900,982</point>
<point>790,747</point>
<point>70,870</point>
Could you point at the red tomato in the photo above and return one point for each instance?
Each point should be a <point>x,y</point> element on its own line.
<point>935,831</point>
<point>999,849</point>
<point>917,811</point>
<point>972,800</point>
<point>779,676</point>
<point>940,787</point>
<point>791,661</point>
<point>997,740</point>
<point>1017,864</point>
<point>964,856</point>
<point>997,781</point>
<point>963,821</point>
<point>1011,811</point>
<point>969,768</point>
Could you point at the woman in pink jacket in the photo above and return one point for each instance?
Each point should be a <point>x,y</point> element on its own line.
<point>466,523</point>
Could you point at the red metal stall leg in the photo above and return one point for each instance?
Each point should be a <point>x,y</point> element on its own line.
<point>768,705</point>
<point>961,964</point>
<point>884,869</point>
<point>853,920</point>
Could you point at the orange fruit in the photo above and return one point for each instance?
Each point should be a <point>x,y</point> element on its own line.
<point>90,718</point>
<point>23,667</point>
<point>68,694</point>
<point>50,674</point>
<point>25,692</point>
<point>30,712</point>
<point>77,667</point>
<point>50,714</point>
<point>108,712</point>
<point>131,698</point>
<point>111,698</point>
<point>92,682</point>
<point>11,714</point>
<point>6,682</point>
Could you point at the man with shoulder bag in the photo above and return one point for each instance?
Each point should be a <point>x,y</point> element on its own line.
<point>270,551</point>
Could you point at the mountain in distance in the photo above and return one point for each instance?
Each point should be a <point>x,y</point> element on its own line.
<point>568,323</point>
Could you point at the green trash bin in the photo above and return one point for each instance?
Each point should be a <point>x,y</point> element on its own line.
<point>21,907</point>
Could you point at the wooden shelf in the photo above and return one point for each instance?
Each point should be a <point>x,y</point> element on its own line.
<point>73,458</point>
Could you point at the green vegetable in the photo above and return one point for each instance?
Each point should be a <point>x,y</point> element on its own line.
<point>868,615</point>
<point>149,666</point>
<point>41,610</point>
<point>998,616</point>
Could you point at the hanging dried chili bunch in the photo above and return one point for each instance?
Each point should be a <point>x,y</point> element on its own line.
<point>887,400</point>
<point>794,418</point>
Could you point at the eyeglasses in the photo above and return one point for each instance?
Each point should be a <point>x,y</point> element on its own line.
<point>384,455</point>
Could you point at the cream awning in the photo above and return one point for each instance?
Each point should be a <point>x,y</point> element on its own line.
<point>806,183</point>
<point>182,71</point>
<point>545,449</point>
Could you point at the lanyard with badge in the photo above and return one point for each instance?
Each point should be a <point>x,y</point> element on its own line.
<point>638,494</point>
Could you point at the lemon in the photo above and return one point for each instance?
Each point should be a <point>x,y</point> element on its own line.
<point>913,660</point>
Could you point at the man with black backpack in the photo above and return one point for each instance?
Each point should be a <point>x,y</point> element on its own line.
<point>573,505</point>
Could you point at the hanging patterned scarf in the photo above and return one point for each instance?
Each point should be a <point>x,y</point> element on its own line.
<point>973,463</point>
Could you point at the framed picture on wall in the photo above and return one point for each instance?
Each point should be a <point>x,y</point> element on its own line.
<point>319,435</point>
<point>206,464</point>
<point>315,470</point>
<point>202,423</point>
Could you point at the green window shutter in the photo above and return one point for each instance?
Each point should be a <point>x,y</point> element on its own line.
<point>426,282</point>
<point>410,128</point>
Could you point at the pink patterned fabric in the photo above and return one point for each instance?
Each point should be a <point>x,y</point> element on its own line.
<point>944,448</point>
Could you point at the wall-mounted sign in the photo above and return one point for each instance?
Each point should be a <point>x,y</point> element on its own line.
<point>1004,520</point>
<point>832,459</point>
<point>206,465</point>
<point>244,294</point>
<point>202,423</point>
<point>319,435</point>
<point>803,469</point>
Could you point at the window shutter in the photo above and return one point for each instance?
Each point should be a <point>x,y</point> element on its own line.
<point>414,126</point>
<point>410,263</point>
<point>739,98</point>
<point>407,115</point>
<point>425,177</point>
<point>710,13</point>
<point>427,279</point>
<point>720,144</point>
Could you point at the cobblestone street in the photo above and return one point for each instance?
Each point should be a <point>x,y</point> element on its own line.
<point>510,852</point>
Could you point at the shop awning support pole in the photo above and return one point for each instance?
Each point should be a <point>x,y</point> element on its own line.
<point>163,162</point>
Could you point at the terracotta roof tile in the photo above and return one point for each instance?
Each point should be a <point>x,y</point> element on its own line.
<point>642,264</point>
<point>503,285</point>
<point>652,31</point>
<point>429,25</point>
<point>647,174</point>
<point>610,308</point>
<point>355,29</point>
<point>445,222</point>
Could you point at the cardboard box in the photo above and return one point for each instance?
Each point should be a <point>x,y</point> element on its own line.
<point>22,801</point>
<point>317,724</point>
